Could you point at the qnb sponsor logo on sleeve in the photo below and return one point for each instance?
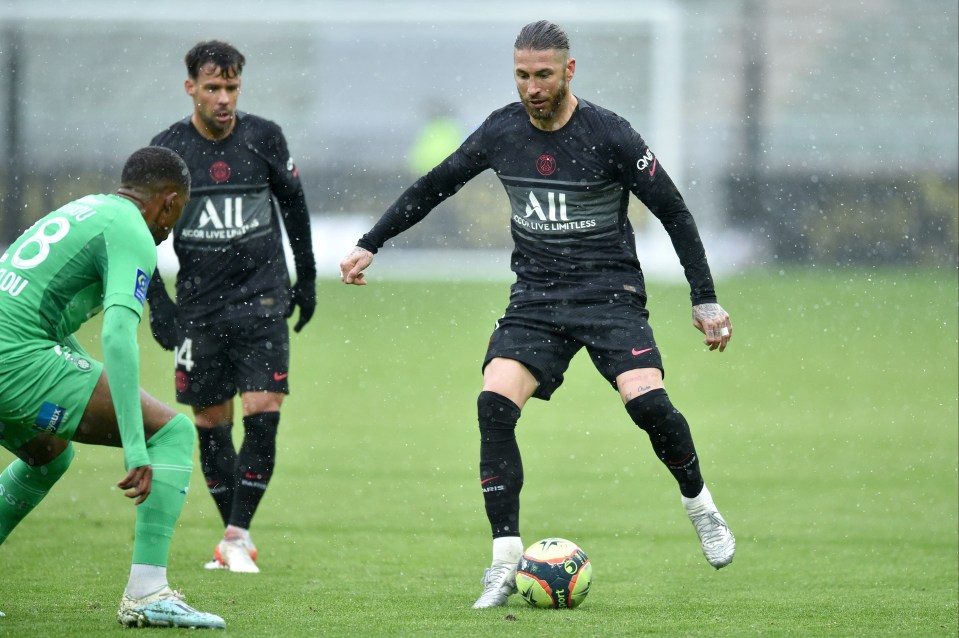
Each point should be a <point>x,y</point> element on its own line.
<point>647,163</point>
<point>50,418</point>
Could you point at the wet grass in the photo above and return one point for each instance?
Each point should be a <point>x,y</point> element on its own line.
<point>828,434</point>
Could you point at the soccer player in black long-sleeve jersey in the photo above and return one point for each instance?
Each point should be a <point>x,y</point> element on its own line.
<point>568,167</point>
<point>233,295</point>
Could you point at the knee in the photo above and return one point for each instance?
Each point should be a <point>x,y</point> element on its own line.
<point>260,432</point>
<point>497,416</point>
<point>649,409</point>
<point>58,466</point>
<point>258,402</point>
<point>214,416</point>
<point>181,431</point>
<point>177,433</point>
<point>41,478</point>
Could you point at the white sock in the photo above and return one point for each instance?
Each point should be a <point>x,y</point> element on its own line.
<point>233,533</point>
<point>507,549</point>
<point>145,580</point>
<point>702,500</point>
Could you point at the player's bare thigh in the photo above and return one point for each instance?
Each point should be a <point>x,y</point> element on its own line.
<point>98,426</point>
<point>99,423</point>
<point>634,383</point>
<point>509,378</point>
<point>253,403</point>
<point>41,449</point>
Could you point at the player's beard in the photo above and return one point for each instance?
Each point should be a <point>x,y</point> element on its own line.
<point>553,105</point>
<point>212,124</point>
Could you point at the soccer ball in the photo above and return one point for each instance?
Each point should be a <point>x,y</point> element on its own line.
<point>554,573</point>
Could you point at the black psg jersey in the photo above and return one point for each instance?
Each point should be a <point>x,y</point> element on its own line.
<point>568,192</point>
<point>228,239</point>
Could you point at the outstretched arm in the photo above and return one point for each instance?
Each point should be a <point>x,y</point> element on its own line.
<point>415,203</point>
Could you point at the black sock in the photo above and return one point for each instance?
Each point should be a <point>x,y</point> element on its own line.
<point>218,460</point>
<point>501,468</point>
<point>254,465</point>
<point>669,433</point>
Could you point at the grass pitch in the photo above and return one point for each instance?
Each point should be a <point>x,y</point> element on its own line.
<point>827,432</point>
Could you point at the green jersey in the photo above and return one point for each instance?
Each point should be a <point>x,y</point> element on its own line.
<point>87,255</point>
<point>93,254</point>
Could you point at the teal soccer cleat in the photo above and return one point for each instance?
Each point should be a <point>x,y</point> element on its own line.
<point>165,608</point>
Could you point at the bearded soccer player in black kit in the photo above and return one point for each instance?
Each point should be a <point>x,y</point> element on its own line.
<point>233,295</point>
<point>568,167</point>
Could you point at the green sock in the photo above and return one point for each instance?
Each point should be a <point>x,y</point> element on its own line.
<point>22,487</point>
<point>171,455</point>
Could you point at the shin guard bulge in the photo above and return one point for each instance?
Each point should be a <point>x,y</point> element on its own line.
<point>501,467</point>
<point>218,461</point>
<point>670,436</point>
<point>255,464</point>
<point>171,455</point>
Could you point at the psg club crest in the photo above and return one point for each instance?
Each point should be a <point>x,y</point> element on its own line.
<point>546,164</point>
<point>220,172</point>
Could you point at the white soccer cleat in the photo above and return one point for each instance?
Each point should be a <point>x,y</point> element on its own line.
<point>719,544</point>
<point>236,556</point>
<point>218,562</point>
<point>165,608</point>
<point>499,583</point>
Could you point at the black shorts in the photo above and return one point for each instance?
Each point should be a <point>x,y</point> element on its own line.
<point>544,335</point>
<point>214,363</point>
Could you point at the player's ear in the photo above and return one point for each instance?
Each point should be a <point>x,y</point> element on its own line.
<point>169,199</point>
<point>570,68</point>
<point>189,86</point>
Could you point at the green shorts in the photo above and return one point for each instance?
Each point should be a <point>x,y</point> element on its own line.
<point>44,388</point>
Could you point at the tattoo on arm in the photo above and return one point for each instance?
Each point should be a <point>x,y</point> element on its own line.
<point>707,311</point>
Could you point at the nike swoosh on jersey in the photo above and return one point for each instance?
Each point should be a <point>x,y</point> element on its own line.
<point>277,376</point>
<point>636,352</point>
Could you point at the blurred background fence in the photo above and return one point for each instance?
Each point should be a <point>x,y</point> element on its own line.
<point>798,131</point>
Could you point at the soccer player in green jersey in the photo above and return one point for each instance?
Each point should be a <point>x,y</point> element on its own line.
<point>97,253</point>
